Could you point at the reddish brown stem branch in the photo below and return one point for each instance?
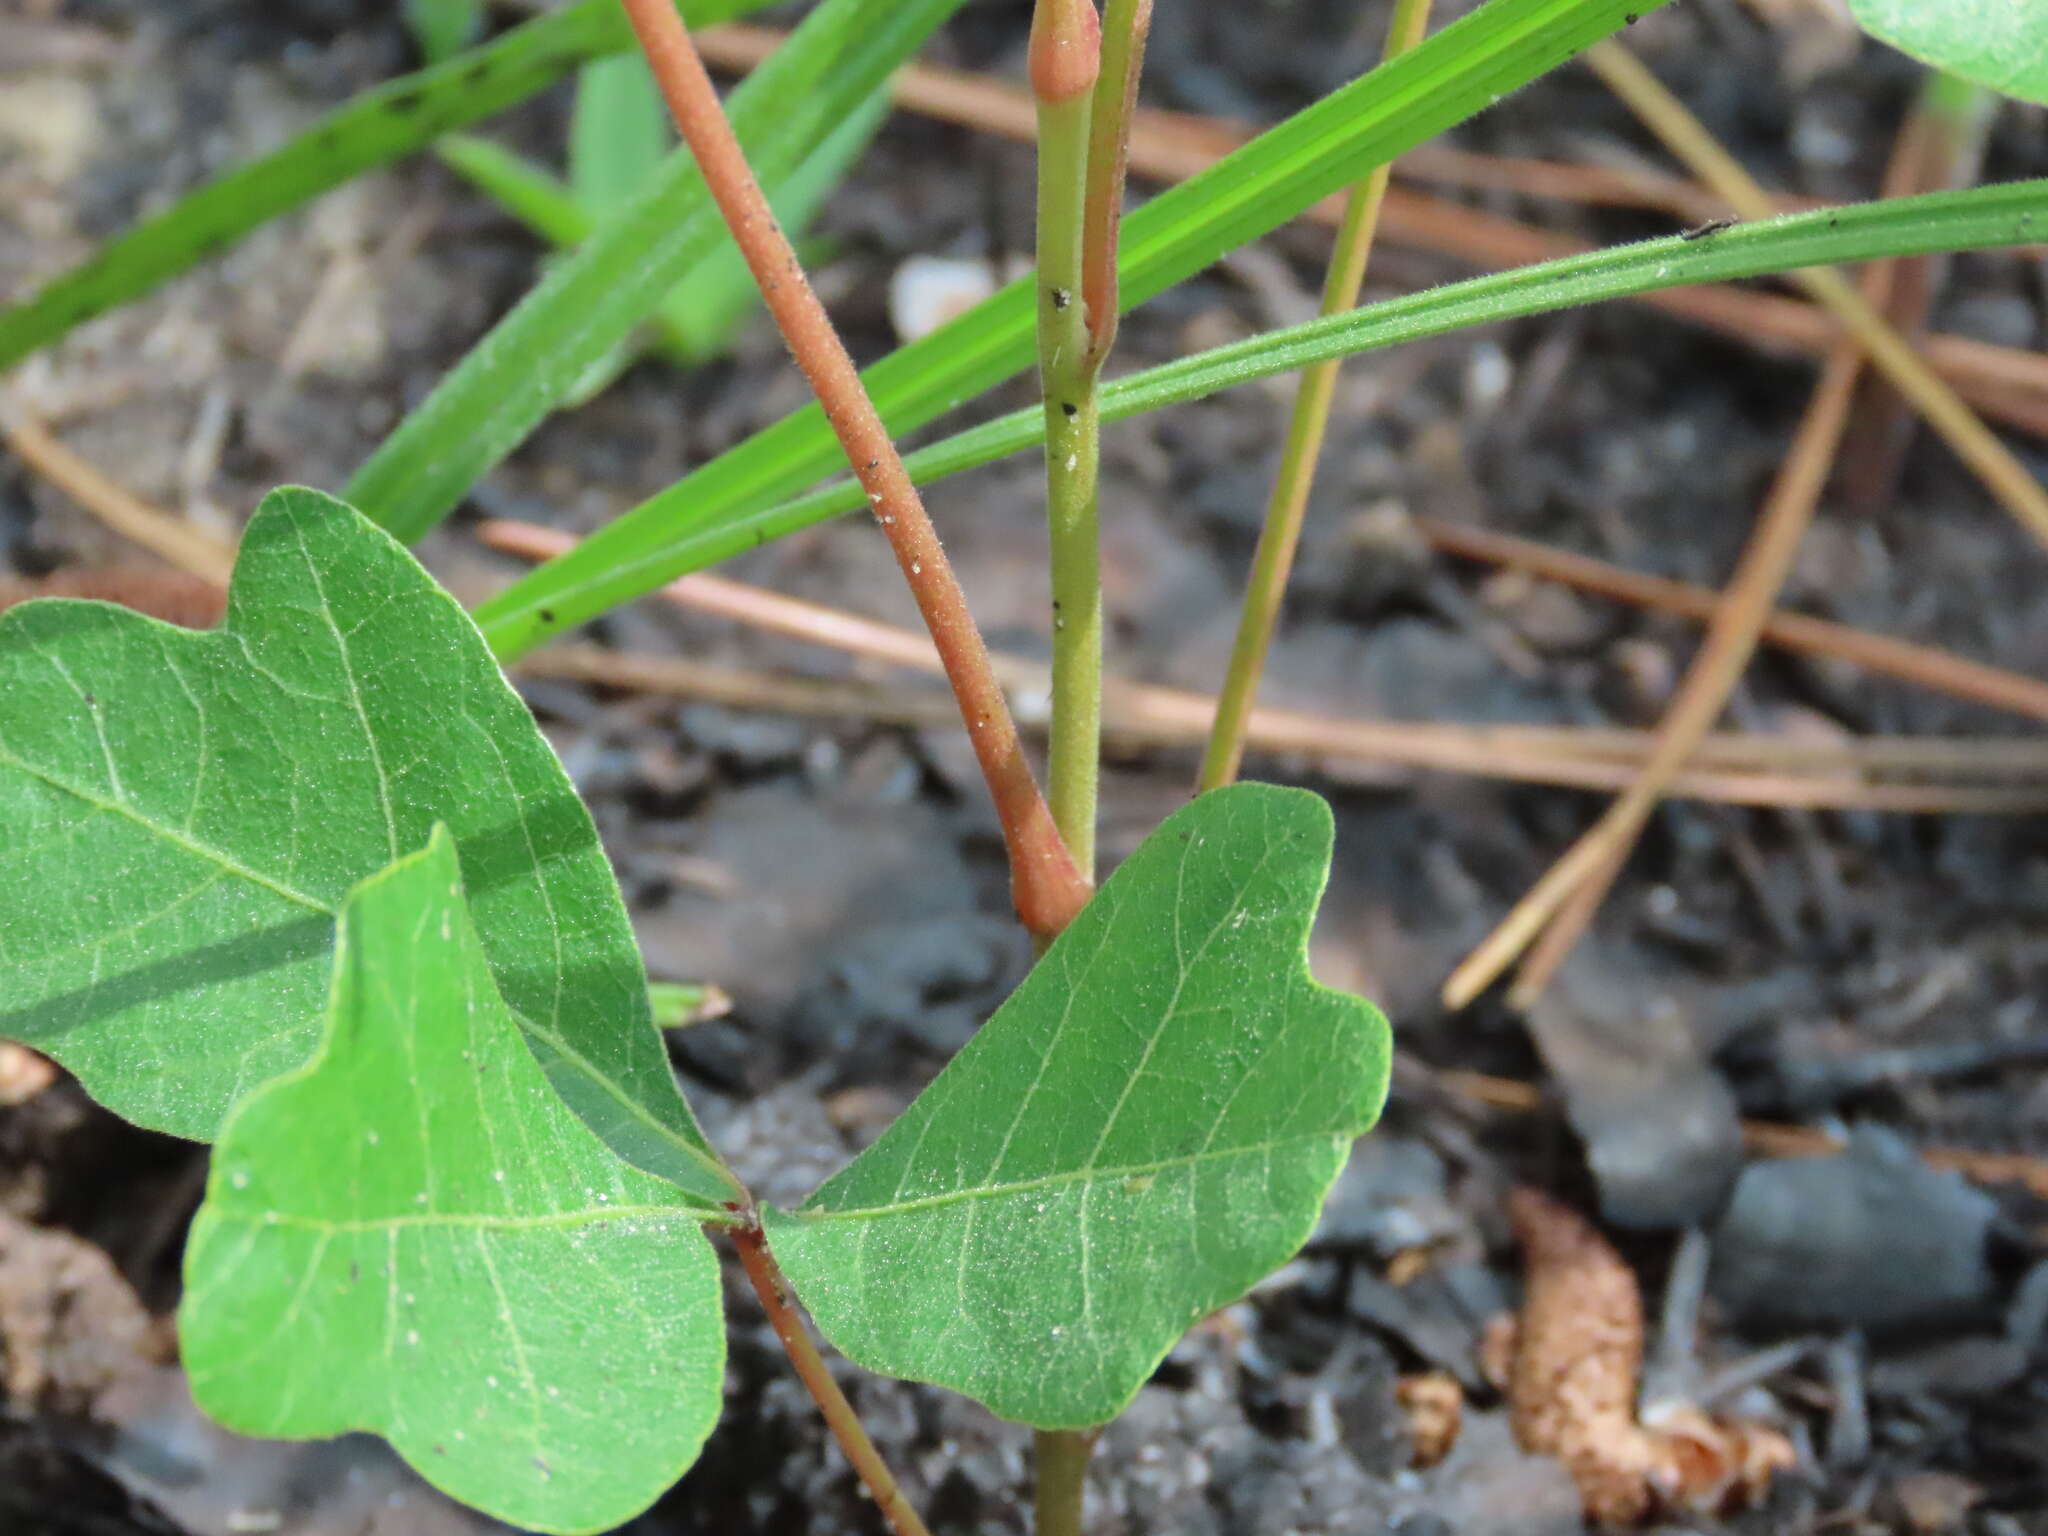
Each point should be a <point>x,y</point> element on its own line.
<point>1044,882</point>
<point>844,1423</point>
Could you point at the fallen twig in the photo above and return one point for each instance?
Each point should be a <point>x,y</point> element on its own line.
<point>170,538</point>
<point>1884,776</point>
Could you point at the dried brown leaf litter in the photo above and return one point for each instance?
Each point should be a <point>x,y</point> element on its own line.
<point>1572,1374</point>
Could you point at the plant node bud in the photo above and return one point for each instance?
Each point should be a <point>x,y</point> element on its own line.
<point>1066,49</point>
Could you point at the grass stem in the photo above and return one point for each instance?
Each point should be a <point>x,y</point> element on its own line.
<point>1273,561</point>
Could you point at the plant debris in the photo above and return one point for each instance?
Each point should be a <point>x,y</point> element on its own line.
<point>1573,1373</point>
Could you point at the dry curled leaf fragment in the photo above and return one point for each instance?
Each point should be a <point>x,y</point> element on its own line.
<point>71,1329</point>
<point>1714,1466</point>
<point>23,1073</point>
<point>1434,1404</point>
<point>1573,1365</point>
<point>1578,1351</point>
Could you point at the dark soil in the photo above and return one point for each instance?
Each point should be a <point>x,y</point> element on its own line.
<point>843,881</point>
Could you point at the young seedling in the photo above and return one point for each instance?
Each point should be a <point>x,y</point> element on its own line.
<point>312,886</point>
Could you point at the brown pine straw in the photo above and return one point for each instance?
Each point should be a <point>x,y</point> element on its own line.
<point>172,539</point>
<point>1919,774</point>
<point>1897,775</point>
<point>2006,382</point>
<point>1997,775</point>
<point>1937,670</point>
<point>1861,313</point>
<point>1932,668</point>
<point>1549,920</point>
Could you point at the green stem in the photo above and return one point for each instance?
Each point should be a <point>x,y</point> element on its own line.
<point>1125,25</point>
<point>1067,373</point>
<point>1062,1457</point>
<point>1274,559</point>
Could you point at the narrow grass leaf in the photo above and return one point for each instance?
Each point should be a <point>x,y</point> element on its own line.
<point>444,27</point>
<point>618,133</point>
<point>533,358</point>
<point>1999,43</point>
<point>1144,1130</point>
<point>696,319</point>
<point>1459,72</point>
<point>1983,218</point>
<point>187,810</point>
<point>374,129</point>
<point>413,1235</point>
<point>530,193</point>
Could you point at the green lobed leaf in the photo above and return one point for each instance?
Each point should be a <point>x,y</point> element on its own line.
<point>1458,72</point>
<point>187,810</point>
<point>374,129</point>
<point>1145,1128</point>
<point>535,357</point>
<point>1999,43</point>
<point>1980,218</point>
<point>412,1234</point>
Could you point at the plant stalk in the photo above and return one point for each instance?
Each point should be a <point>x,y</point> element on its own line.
<point>1062,1465</point>
<point>1045,883</point>
<point>1066,47</point>
<point>1279,536</point>
<point>1125,26</point>
<point>839,1415</point>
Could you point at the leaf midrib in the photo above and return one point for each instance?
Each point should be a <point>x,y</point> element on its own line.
<point>471,1221</point>
<point>1060,1180</point>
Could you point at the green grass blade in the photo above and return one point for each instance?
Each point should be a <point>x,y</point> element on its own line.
<point>1463,69</point>
<point>698,318</point>
<point>534,357</point>
<point>2014,213</point>
<point>443,28</point>
<point>374,129</point>
<point>618,133</point>
<point>531,193</point>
